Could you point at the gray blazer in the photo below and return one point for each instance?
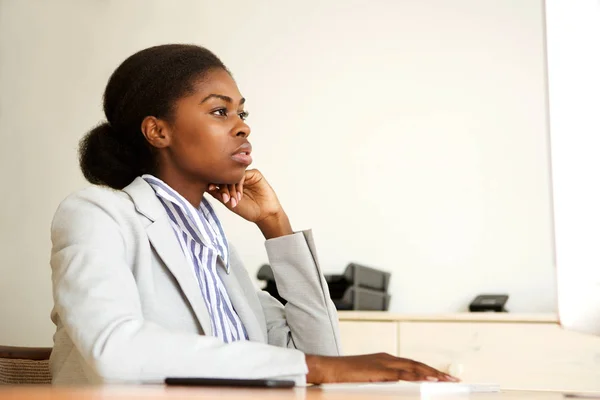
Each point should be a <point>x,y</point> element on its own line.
<point>128,309</point>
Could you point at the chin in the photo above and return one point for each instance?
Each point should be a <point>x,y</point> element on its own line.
<point>231,178</point>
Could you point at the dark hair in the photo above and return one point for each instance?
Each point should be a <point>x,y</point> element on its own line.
<point>148,83</point>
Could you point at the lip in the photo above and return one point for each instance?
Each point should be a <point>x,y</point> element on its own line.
<point>242,154</point>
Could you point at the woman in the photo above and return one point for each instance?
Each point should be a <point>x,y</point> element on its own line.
<point>145,283</point>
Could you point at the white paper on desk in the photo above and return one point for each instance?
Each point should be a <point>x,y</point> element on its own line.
<point>428,388</point>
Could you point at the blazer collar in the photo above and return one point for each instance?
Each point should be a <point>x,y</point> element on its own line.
<point>163,239</point>
<point>145,200</point>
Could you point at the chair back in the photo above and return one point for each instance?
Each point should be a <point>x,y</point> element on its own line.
<point>24,365</point>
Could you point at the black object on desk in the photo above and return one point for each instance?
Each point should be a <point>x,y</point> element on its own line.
<point>489,303</point>
<point>358,288</point>
<point>265,383</point>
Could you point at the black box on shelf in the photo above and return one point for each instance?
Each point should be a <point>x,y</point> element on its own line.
<point>358,288</point>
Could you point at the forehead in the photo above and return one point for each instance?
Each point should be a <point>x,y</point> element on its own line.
<point>217,82</point>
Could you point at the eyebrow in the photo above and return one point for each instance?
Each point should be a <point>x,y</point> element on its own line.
<point>222,97</point>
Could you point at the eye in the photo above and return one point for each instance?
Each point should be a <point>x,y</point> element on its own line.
<point>244,115</point>
<point>221,112</point>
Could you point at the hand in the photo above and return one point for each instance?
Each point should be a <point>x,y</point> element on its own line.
<point>379,367</point>
<point>254,199</point>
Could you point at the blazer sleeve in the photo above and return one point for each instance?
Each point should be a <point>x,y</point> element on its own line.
<point>97,302</point>
<point>308,321</point>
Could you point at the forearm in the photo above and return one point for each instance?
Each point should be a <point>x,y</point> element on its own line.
<point>309,312</point>
<point>314,366</point>
<point>141,352</point>
<point>275,226</point>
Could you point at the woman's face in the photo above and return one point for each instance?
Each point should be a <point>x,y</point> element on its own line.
<point>208,138</point>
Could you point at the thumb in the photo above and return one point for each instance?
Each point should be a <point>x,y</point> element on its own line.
<point>215,193</point>
<point>252,177</point>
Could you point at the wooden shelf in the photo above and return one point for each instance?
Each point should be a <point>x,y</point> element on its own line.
<point>458,317</point>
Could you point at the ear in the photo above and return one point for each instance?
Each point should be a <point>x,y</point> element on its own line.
<point>157,132</point>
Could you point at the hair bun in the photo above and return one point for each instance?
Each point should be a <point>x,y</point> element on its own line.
<point>106,129</point>
<point>104,159</point>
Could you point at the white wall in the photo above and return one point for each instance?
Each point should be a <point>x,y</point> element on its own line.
<point>410,135</point>
<point>574,86</point>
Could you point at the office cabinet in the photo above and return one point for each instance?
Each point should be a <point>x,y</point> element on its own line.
<point>364,337</point>
<point>529,352</point>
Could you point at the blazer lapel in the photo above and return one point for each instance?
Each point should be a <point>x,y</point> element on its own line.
<point>242,303</point>
<point>163,239</point>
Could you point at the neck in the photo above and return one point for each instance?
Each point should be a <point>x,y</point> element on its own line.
<point>191,189</point>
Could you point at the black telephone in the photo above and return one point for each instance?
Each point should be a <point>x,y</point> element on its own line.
<point>489,303</point>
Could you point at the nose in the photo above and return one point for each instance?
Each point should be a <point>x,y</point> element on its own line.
<point>242,129</point>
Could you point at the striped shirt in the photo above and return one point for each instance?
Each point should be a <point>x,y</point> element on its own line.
<point>202,240</point>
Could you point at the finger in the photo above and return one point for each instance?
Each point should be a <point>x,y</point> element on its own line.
<point>252,176</point>
<point>431,373</point>
<point>234,195</point>
<point>240,189</point>
<point>407,376</point>
<point>417,368</point>
<point>214,192</point>
<point>410,372</point>
<point>225,194</point>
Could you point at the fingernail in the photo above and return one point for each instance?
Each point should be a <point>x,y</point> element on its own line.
<point>225,198</point>
<point>239,196</point>
<point>233,202</point>
<point>211,187</point>
<point>453,379</point>
<point>432,379</point>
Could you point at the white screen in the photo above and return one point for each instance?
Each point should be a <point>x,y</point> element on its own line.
<point>573,41</point>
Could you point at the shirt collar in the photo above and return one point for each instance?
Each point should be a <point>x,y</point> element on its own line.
<point>210,223</point>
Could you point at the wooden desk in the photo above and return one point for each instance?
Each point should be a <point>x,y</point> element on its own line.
<point>162,392</point>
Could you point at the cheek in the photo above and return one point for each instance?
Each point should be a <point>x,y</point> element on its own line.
<point>201,142</point>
